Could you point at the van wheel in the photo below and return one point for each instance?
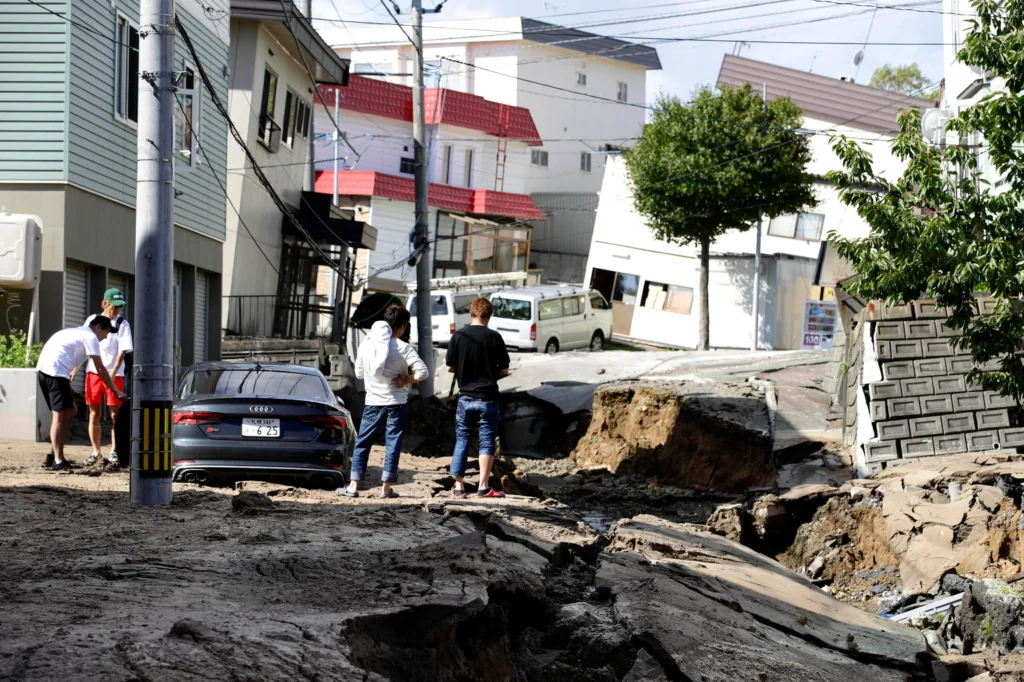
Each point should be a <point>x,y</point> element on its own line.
<point>597,342</point>
<point>552,347</point>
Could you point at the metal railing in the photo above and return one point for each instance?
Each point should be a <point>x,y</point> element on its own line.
<point>298,316</point>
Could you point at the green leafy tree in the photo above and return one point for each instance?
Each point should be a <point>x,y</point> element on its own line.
<point>716,164</point>
<point>14,349</point>
<point>906,79</point>
<point>941,229</point>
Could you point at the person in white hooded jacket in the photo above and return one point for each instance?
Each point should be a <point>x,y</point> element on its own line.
<point>387,365</point>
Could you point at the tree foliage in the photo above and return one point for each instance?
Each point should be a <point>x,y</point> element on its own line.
<point>943,229</point>
<point>906,79</point>
<point>712,165</point>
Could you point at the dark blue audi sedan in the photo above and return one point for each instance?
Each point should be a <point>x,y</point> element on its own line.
<point>235,421</point>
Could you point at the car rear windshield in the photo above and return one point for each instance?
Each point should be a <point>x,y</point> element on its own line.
<point>511,309</point>
<point>439,305</point>
<point>229,381</point>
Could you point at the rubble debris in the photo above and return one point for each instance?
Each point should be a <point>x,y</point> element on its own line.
<point>704,435</point>
<point>992,617</point>
<point>251,502</point>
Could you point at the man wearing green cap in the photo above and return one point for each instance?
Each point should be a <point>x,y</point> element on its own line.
<point>113,351</point>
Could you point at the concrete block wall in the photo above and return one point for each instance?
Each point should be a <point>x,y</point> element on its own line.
<point>923,406</point>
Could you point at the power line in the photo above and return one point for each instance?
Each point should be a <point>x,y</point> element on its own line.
<point>397,22</point>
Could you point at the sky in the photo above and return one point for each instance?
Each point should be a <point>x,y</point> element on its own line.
<point>687,65</point>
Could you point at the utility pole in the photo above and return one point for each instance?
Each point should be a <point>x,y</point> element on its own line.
<point>153,375</point>
<point>421,240</point>
<point>757,249</point>
<point>337,297</point>
<point>307,10</point>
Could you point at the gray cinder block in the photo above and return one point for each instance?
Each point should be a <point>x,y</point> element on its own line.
<point>995,401</point>
<point>992,365</point>
<point>992,419</point>
<point>968,402</point>
<point>882,390</point>
<point>917,387</point>
<point>921,427</point>
<point>917,447</point>
<point>893,370</point>
<point>936,348</point>
<point>890,331</point>
<point>906,350</point>
<point>900,311</point>
<point>958,423</point>
<point>878,410</point>
<point>950,445</point>
<point>944,331</point>
<point>928,309</point>
<point>919,329</point>
<point>1011,438</point>
<point>986,305</point>
<point>883,351</point>
<point>980,441</point>
<point>930,367</point>
<point>903,407</point>
<point>880,452</point>
<point>949,384</point>
<point>959,365</point>
<point>936,404</point>
<point>893,430</point>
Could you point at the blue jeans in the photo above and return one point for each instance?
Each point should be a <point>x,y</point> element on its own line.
<point>392,419</point>
<point>471,413</point>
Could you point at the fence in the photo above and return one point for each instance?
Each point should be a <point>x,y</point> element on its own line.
<point>299,316</point>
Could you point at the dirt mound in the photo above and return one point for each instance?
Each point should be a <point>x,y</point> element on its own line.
<point>704,435</point>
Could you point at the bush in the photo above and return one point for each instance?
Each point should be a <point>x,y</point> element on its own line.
<point>12,352</point>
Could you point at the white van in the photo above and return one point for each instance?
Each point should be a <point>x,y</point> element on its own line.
<point>450,311</point>
<point>552,318</point>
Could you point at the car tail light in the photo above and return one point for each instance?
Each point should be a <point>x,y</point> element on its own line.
<point>533,333</point>
<point>326,422</point>
<point>179,462</point>
<point>333,465</point>
<point>191,417</point>
<point>451,328</point>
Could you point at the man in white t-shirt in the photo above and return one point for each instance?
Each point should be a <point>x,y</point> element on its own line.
<point>113,350</point>
<point>63,353</point>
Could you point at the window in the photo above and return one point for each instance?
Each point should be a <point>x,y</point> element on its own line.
<point>623,94</point>
<point>511,309</point>
<point>472,248</point>
<point>625,288</point>
<point>550,309</point>
<point>800,226</point>
<point>270,132</point>
<point>572,306</point>
<point>469,168</point>
<point>667,297</point>
<point>538,157</point>
<point>446,169</point>
<point>302,114</point>
<point>126,89</point>
<point>291,102</point>
<point>581,79</point>
<point>585,162</point>
<point>597,302</point>
<point>438,306</point>
<point>254,382</point>
<point>407,166</point>
<point>463,303</point>
<point>186,120</point>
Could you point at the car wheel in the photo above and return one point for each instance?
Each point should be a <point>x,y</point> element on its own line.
<point>597,342</point>
<point>552,347</point>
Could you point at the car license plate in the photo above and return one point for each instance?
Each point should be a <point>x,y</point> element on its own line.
<point>261,428</point>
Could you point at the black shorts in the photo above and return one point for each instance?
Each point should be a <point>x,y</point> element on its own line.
<point>56,392</point>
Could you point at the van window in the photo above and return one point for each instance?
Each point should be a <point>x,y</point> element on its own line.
<point>439,305</point>
<point>597,302</point>
<point>462,304</point>
<point>550,309</point>
<point>571,306</point>
<point>511,309</point>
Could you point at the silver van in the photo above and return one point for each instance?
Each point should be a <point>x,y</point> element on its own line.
<point>552,318</point>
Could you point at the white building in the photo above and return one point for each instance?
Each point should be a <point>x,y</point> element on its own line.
<point>600,100</point>
<point>632,268</point>
<point>269,263</point>
<point>472,141</point>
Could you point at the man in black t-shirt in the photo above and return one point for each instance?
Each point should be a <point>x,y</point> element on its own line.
<point>478,357</point>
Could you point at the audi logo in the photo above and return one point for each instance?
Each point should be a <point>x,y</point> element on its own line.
<point>261,408</point>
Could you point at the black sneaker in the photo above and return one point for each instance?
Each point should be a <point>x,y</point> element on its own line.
<point>63,465</point>
<point>48,462</point>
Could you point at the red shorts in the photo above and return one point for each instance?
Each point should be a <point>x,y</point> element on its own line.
<point>96,390</point>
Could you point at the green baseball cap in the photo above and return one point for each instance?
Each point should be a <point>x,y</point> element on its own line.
<point>115,297</point>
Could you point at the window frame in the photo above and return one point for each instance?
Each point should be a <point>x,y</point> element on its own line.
<point>446,160</point>
<point>669,290</point>
<point>407,162</point>
<point>122,62</point>
<point>586,162</point>
<point>265,133</point>
<point>581,79</point>
<point>541,317</point>
<point>623,92</point>
<point>182,163</point>
<point>469,168</point>
<point>291,117</point>
<point>795,226</point>
<point>539,158</point>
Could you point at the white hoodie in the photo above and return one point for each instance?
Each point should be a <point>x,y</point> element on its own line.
<point>381,359</point>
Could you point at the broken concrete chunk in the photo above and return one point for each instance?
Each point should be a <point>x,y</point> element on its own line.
<point>992,616</point>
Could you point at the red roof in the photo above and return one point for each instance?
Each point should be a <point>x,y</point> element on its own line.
<point>479,201</point>
<point>380,98</point>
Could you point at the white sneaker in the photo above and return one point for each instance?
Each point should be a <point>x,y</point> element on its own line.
<point>92,459</point>
<point>112,457</point>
